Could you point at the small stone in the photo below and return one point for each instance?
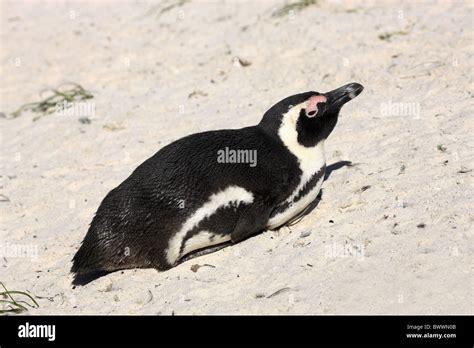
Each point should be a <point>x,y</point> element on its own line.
<point>305,234</point>
<point>84,120</point>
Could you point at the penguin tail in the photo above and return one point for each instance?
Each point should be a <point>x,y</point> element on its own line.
<point>85,278</point>
<point>88,262</point>
<point>84,268</point>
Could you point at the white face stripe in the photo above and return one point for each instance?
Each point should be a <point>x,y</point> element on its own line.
<point>203,239</point>
<point>232,194</point>
<point>310,159</point>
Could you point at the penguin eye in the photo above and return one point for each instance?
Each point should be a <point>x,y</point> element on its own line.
<point>315,105</point>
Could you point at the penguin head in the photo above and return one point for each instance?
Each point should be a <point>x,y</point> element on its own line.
<point>308,118</point>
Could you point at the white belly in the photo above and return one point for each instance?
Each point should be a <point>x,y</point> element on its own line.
<point>202,240</point>
<point>295,208</point>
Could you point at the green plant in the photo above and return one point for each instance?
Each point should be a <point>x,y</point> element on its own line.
<point>73,92</point>
<point>294,6</point>
<point>16,306</point>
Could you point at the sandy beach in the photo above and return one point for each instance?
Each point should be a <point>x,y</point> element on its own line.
<point>393,232</point>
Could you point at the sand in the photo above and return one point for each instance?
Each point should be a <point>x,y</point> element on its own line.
<point>393,233</point>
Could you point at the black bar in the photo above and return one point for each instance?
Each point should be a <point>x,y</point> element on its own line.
<point>261,330</point>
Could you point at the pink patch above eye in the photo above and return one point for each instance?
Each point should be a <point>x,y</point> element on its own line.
<point>312,107</point>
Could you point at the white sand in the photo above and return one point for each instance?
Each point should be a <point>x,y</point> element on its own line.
<point>142,65</point>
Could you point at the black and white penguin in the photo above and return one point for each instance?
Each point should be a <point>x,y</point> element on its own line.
<point>186,197</point>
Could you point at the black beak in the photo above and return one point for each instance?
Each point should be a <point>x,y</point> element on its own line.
<point>341,95</point>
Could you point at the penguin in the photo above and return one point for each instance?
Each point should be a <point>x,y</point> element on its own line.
<point>197,193</point>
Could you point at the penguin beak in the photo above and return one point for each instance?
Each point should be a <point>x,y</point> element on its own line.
<point>340,96</point>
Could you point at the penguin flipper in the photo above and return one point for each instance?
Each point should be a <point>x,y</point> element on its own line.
<point>252,221</point>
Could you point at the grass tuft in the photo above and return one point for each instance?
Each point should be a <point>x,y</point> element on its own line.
<point>294,6</point>
<point>68,92</point>
<point>388,36</point>
<point>16,306</point>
